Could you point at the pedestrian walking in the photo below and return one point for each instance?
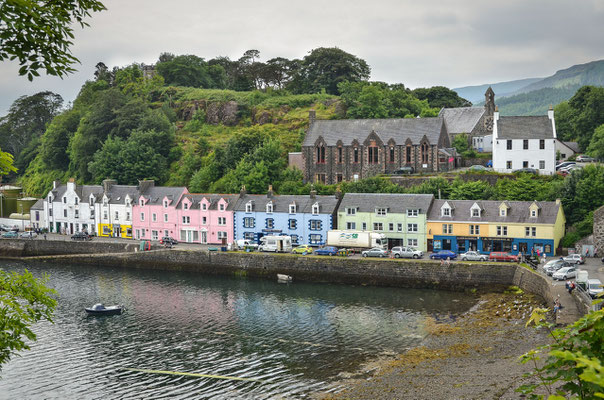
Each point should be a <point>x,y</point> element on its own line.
<point>571,287</point>
<point>44,235</point>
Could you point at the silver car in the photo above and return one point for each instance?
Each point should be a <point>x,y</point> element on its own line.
<point>406,252</point>
<point>574,259</point>
<point>473,256</point>
<point>375,252</point>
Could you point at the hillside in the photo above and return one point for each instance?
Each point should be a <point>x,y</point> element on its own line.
<point>475,94</point>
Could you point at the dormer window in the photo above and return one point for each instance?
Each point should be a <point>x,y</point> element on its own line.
<point>315,208</point>
<point>446,212</point>
<point>503,212</point>
<point>221,206</point>
<point>64,200</point>
<point>269,207</point>
<point>127,201</point>
<point>165,203</point>
<point>248,207</point>
<point>76,201</point>
<point>534,213</point>
<point>204,206</point>
<point>105,201</point>
<point>381,212</point>
<point>292,208</point>
<point>50,199</point>
<point>142,202</point>
<point>185,206</point>
<point>476,212</point>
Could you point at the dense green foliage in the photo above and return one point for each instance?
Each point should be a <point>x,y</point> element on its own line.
<point>578,118</point>
<point>25,300</point>
<point>461,142</point>
<point>39,33</point>
<point>440,97</point>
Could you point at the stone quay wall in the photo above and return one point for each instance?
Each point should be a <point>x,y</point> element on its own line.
<point>32,248</point>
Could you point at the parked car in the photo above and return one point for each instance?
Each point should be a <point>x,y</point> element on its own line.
<point>246,244</point>
<point>303,249</point>
<point>10,234</point>
<point>5,228</point>
<point>375,252</point>
<point>564,164</point>
<point>479,168</point>
<point>406,252</point>
<point>168,240</point>
<point>404,171</point>
<point>554,266</point>
<point>502,256</point>
<point>565,273</point>
<point>574,259</point>
<point>568,168</point>
<point>584,158</point>
<point>28,235</point>
<point>594,287</point>
<point>326,251</point>
<point>81,236</point>
<point>443,255</point>
<point>473,256</point>
<point>526,171</point>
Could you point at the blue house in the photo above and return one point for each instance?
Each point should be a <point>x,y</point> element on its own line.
<point>306,218</point>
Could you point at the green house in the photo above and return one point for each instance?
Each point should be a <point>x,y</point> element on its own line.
<point>401,217</point>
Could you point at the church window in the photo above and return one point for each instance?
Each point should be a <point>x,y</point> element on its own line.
<point>409,149</point>
<point>425,153</point>
<point>321,155</point>
<point>356,154</point>
<point>391,154</point>
<point>373,155</point>
<point>340,155</point>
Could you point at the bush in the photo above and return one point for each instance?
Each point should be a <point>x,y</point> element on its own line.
<point>570,239</point>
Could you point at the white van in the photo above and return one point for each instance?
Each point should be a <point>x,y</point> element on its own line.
<point>594,287</point>
<point>278,244</point>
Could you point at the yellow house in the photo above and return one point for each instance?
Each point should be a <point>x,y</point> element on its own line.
<point>492,225</point>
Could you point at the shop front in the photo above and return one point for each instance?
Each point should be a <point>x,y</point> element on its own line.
<point>485,245</point>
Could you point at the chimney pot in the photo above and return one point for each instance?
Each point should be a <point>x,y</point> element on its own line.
<point>312,116</point>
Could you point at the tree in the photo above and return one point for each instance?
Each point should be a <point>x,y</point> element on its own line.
<point>25,300</point>
<point>39,33</point>
<point>185,70</point>
<point>440,96</point>
<point>461,143</point>
<point>596,147</point>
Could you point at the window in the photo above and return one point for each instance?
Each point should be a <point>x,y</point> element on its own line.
<point>154,235</point>
<point>204,220</point>
<point>248,207</point>
<point>65,213</point>
<point>204,206</point>
<point>351,225</point>
<point>64,200</point>
<point>509,144</point>
<point>185,206</point>
<point>37,215</point>
<point>270,223</point>
<point>321,155</point>
<point>412,242</point>
<point>541,164</point>
<point>446,212</point>
<point>165,217</point>
<point>127,216</point>
<point>50,212</point>
<point>321,178</point>
<point>315,225</point>
<point>364,226</point>
<point>221,207</point>
<point>314,239</point>
<point>391,226</point>
<point>351,211</point>
<point>315,209</point>
<point>533,213</point>
<point>166,232</point>
<point>142,203</point>
<point>399,227</point>
<point>76,201</point>
<point>476,212</point>
<point>503,212</point>
<point>411,227</point>
<point>294,239</point>
<point>117,215</point>
<point>154,217</point>
<point>525,144</point>
<point>412,212</point>
<point>186,219</point>
<point>340,155</point>
<point>292,224</point>
<point>222,235</point>
<point>381,212</point>
<point>249,236</point>
<point>165,203</point>
<point>50,199</point>
<point>408,153</point>
<point>373,156</point>
<point>92,213</point>
<point>541,144</point>
<point>269,207</point>
<point>502,230</point>
<point>525,164</point>
<point>447,228</point>
<point>425,153</point>
<point>508,165</point>
<point>222,221</point>
<point>474,229</point>
<point>292,208</point>
<point>76,213</point>
<point>391,154</point>
<point>142,216</point>
<point>138,234</point>
<point>356,154</point>
<point>249,222</point>
<point>378,226</point>
<point>339,177</point>
<point>105,214</point>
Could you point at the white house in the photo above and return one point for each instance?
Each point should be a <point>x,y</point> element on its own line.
<point>566,149</point>
<point>483,144</point>
<point>524,142</point>
<point>114,210</point>
<point>37,218</point>
<point>70,208</point>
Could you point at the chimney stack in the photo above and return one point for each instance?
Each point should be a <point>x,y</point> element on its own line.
<point>269,192</point>
<point>108,183</point>
<point>313,192</point>
<point>312,116</point>
<point>338,193</point>
<point>242,192</point>
<point>56,184</point>
<point>145,185</point>
<point>71,184</point>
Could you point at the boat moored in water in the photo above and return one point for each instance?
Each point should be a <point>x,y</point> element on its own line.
<point>284,278</point>
<point>100,309</point>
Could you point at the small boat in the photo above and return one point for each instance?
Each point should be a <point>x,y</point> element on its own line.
<point>100,309</point>
<point>284,278</point>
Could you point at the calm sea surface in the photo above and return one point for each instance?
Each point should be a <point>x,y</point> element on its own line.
<point>295,339</point>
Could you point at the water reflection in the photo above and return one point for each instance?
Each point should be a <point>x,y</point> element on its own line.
<point>296,338</point>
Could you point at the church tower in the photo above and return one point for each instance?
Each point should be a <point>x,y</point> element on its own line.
<point>489,109</point>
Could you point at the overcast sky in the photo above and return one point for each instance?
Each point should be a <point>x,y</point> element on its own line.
<point>419,43</point>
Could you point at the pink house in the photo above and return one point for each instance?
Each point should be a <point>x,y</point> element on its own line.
<point>206,218</point>
<point>154,212</point>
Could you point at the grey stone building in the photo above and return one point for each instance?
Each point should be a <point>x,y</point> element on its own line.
<point>346,150</point>
<point>473,121</point>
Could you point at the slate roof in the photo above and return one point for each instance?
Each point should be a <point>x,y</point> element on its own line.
<point>83,191</point>
<point>156,194</point>
<point>536,127</point>
<point>394,202</point>
<point>518,211</point>
<point>398,129</point>
<point>461,119</point>
<point>304,203</point>
<point>196,199</point>
<point>574,146</point>
<point>38,205</point>
<point>117,194</point>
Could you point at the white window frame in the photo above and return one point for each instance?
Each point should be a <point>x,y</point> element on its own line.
<point>315,209</point>
<point>412,212</point>
<point>248,207</point>
<point>269,207</point>
<point>351,226</point>
<point>154,217</point>
<point>292,208</point>
<point>412,228</point>
<point>142,217</point>
<point>378,226</point>
<point>446,211</point>
<point>165,217</point>
<point>412,242</point>
<point>381,212</point>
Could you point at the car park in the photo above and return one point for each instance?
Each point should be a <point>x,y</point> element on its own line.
<point>556,265</point>
<point>28,235</point>
<point>526,171</point>
<point>375,252</point>
<point>594,287</point>
<point>473,256</point>
<point>584,158</point>
<point>404,171</point>
<point>81,236</point>
<point>574,259</point>
<point>564,164</point>
<point>565,273</point>
<point>303,249</point>
<point>443,255</point>
<point>326,251</point>
<point>406,252</point>
<point>167,240</point>
<point>479,168</point>
<point>502,256</point>
<point>10,235</point>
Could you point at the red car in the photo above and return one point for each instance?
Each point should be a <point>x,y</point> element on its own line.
<point>502,256</point>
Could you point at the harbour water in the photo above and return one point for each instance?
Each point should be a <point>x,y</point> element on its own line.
<point>291,340</point>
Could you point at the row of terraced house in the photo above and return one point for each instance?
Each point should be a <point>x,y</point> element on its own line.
<point>150,212</point>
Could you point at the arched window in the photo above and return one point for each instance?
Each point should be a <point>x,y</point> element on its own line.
<point>321,154</point>
<point>425,153</point>
<point>408,151</point>
<point>372,153</point>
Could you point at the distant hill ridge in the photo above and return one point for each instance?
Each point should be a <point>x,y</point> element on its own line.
<point>534,95</point>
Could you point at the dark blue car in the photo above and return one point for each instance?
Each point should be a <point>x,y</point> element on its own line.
<point>327,251</point>
<point>443,255</point>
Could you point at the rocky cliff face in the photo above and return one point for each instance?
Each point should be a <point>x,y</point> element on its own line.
<point>225,113</point>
